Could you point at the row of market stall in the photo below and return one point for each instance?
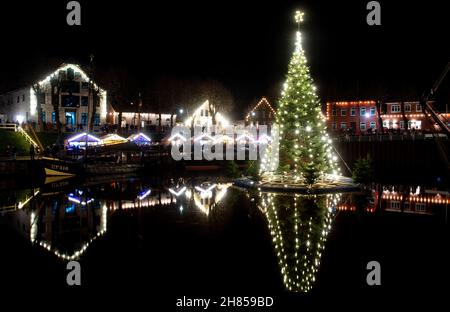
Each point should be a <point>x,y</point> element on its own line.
<point>79,141</point>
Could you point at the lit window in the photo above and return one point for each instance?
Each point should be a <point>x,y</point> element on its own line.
<point>418,108</point>
<point>343,125</point>
<point>362,126</point>
<point>84,119</point>
<point>407,108</point>
<point>362,111</point>
<point>395,205</point>
<point>373,111</point>
<point>373,125</point>
<point>395,108</point>
<point>97,120</point>
<point>352,111</point>
<point>402,124</point>
<point>420,207</point>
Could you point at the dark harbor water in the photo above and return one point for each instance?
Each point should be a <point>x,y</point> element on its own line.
<point>201,236</point>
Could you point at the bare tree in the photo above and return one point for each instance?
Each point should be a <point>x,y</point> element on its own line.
<point>96,95</point>
<point>39,92</point>
<point>219,97</point>
<point>55,87</point>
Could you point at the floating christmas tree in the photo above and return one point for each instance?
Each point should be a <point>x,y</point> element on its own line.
<point>304,150</point>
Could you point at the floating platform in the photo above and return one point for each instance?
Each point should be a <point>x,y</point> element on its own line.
<point>341,185</point>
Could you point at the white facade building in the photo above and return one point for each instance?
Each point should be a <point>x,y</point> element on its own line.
<point>75,104</point>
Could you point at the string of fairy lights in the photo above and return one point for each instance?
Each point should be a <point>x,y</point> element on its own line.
<point>300,123</point>
<point>263,101</point>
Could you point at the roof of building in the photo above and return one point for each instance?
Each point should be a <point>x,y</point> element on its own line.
<point>262,102</point>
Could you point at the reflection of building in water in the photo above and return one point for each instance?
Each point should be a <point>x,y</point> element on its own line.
<point>207,196</point>
<point>63,224</point>
<point>412,200</point>
<point>203,197</point>
<point>407,199</point>
<point>299,225</point>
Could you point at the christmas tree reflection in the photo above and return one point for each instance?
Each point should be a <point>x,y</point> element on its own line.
<point>299,226</point>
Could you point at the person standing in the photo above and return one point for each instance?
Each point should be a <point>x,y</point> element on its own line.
<point>32,152</point>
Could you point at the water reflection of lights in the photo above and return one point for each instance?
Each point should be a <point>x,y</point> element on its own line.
<point>20,205</point>
<point>178,193</point>
<point>77,253</point>
<point>205,200</point>
<point>205,193</point>
<point>298,256</point>
<point>144,194</point>
<point>150,202</point>
<point>79,201</point>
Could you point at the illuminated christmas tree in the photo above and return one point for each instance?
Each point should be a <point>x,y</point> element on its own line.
<point>304,150</point>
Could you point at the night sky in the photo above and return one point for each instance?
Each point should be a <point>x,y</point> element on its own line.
<point>245,46</point>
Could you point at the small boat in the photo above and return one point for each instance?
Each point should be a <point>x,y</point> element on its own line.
<point>60,167</point>
<point>63,167</point>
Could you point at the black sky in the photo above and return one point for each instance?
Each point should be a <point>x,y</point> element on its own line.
<point>245,45</point>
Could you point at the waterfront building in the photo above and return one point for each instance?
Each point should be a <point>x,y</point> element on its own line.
<point>355,117</point>
<point>66,95</point>
<point>368,116</point>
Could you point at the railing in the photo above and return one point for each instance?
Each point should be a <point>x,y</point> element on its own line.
<point>8,126</point>
<point>16,128</point>
<point>27,137</point>
<point>388,137</point>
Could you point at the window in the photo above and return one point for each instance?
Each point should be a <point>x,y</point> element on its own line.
<point>333,126</point>
<point>362,126</point>
<point>70,101</point>
<point>407,108</point>
<point>362,111</point>
<point>334,111</point>
<point>343,125</point>
<point>70,87</point>
<point>18,99</point>
<point>352,111</point>
<point>84,86</point>
<point>373,111</point>
<point>97,120</point>
<point>395,108</point>
<point>373,125</point>
<point>43,117</point>
<point>343,112</point>
<point>84,101</point>
<point>41,98</point>
<point>418,108</point>
<point>53,118</point>
<point>402,124</point>
<point>23,97</point>
<point>84,119</point>
<point>420,207</point>
<point>395,205</point>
